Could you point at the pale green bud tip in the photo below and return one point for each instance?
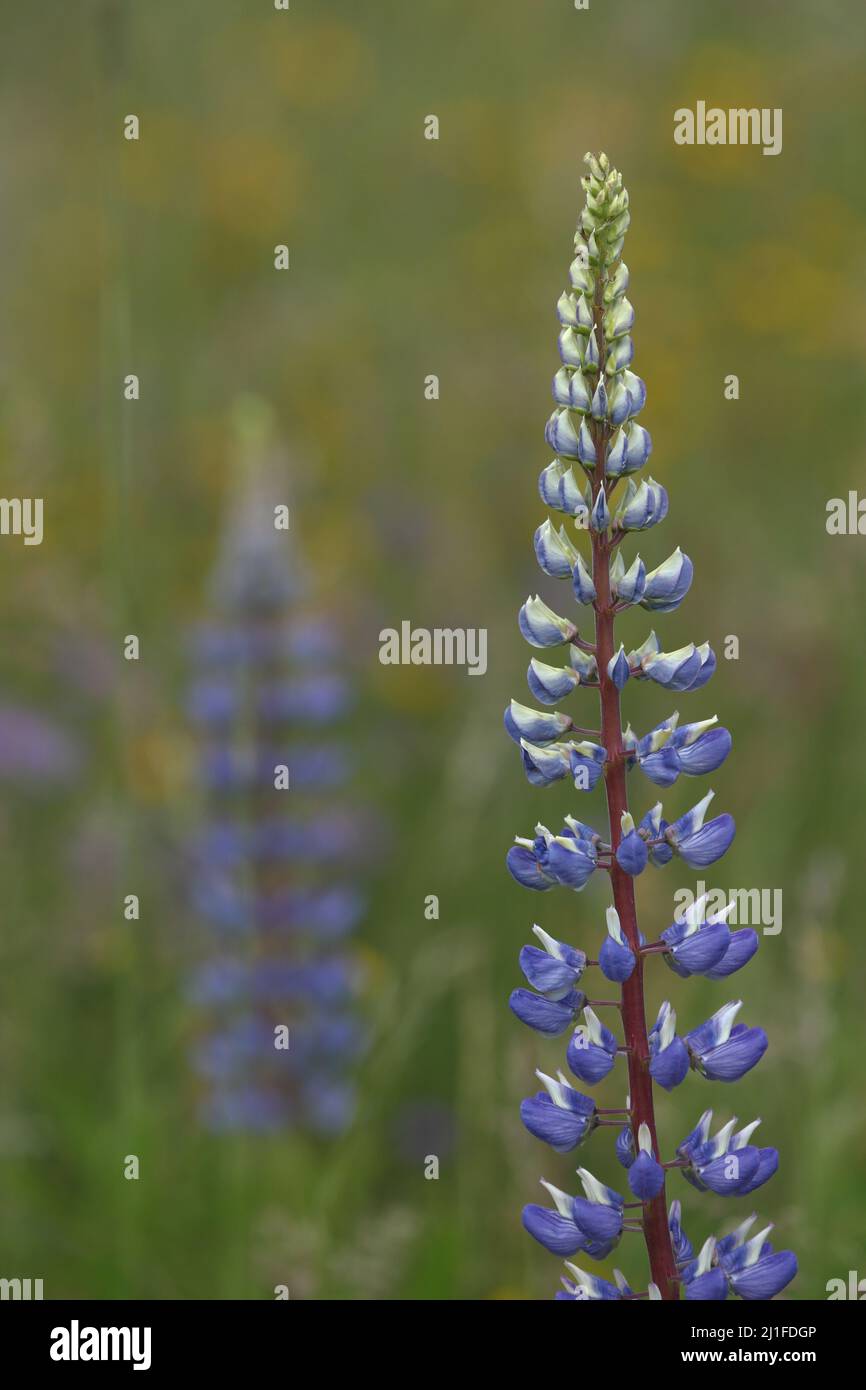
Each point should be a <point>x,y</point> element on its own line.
<point>605,217</point>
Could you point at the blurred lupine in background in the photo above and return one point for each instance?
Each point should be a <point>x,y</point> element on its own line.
<point>35,751</point>
<point>274,869</point>
<point>597,398</point>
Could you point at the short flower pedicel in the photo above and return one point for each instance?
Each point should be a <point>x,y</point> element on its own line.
<point>599,446</point>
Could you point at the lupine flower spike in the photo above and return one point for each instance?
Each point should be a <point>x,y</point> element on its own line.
<point>270,871</point>
<point>594,482</point>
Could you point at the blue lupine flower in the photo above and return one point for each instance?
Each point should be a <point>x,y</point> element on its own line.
<point>568,859</point>
<point>728,1164</point>
<point>688,668</point>
<point>550,1016</point>
<point>572,861</point>
<point>554,551</point>
<point>591,357</point>
<point>755,1271</point>
<point>624,1146</point>
<point>555,1230</point>
<point>699,844</point>
<point>668,584</point>
<point>697,944</point>
<point>545,765</point>
<point>598,405</point>
<point>643,504</point>
<point>586,763</point>
<point>280,953</point>
<point>599,516</point>
<point>586,451</point>
<point>553,970</point>
<point>536,726</point>
<point>742,945</point>
<point>584,663</point>
<point>36,752</point>
<point>617,669</point>
<point>588,1287</point>
<point>525,866</point>
<point>646,1177</point>
<point>592,1050</point>
<point>626,397</point>
<point>722,1052</point>
<point>630,585</point>
<point>584,589</point>
<point>627,585</point>
<point>619,319</point>
<point>669,1057</point>
<point>561,435</point>
<point>693,749</point>
<point>639,446</point>
<point>570,389</point>
<point>682,1246</point>
<point>632,853</point>
<point>654,753</point>
<point>559,1115</point>
<point>629,452</point>
<point>559,488</point>
<point>697,1137</point>
<point>550,683</point>
<point>701,747</point>
<point>768,1166</point>
<point>727,1245</point>
<point>719,1168</point>
<point>599,1215</point>
<point>592,428</point>
<point>616,957</point>
<point>542,627</point>
<point>652,829</point>
<point>703,1279</point>
<point>708,844</point>
<point>674,670</point>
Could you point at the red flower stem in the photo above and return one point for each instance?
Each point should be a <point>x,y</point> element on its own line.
<point>655,1222</point>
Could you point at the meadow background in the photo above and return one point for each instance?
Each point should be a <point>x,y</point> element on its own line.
<point>409,257</point>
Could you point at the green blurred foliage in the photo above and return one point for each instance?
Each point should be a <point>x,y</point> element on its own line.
<point>408,257</point>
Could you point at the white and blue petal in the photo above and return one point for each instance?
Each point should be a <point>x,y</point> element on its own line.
<point>523,722</point>
<point>669,1056</point>
<point>559,1115</point>
<point>554,967</point>
<point>590,1288</point>
<point>709,843</point>
<point>555,1230</point>
<point>631,852</point>
<point>646,1177</point>
<point>550,683</point>
<point>592,1049</point>
<point>555,552</point>
<point>584,588</point>
<point>548,1016</point>
<point>586,762</point>
<point>617,668</point>
<point>599,517</point>
<point>668,584</point>
<point>542,627</point>
<point>629,584</point>
<point>571,862</point>
<point>674,670</point>
<point>616,957</point>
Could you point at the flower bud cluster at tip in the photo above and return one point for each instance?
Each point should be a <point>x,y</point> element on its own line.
<point>593,432</point>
